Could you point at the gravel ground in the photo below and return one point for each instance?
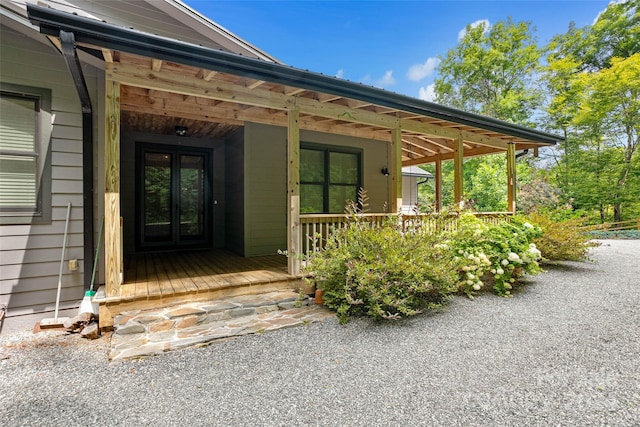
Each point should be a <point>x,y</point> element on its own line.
<point>564,351</point>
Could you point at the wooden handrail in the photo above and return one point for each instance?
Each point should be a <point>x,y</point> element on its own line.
<point>316,228</point>
<point>631,224</point>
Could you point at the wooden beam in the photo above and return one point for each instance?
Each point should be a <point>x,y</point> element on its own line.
<point>156,64</point>
<point>107,54</point>
<point>294,230</point>
<point>255,84</point>
<point>511,178</point>
<point>475,152</point>
<point>396,170</point>
<point>438,201</point>
<point>451,133</point>
<point>206,75</point>
<point>139,77</point>
<point>112,232</point>
<point>458,177</point>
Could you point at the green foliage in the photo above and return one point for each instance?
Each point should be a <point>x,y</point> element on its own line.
<point>380,271</point>
<point>492,72</point>
<point>593,80</point>
<point>504,249</point>
<point>563,238</point>
<point>385,272</point>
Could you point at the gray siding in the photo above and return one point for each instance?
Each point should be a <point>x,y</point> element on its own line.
<point>30,254</point>
<point>265,187</point>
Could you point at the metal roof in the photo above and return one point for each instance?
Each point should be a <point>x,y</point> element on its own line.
<point>416,171</point>
<point>110,36</point>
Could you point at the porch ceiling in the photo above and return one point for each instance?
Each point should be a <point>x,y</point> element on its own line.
<point>157,94</point>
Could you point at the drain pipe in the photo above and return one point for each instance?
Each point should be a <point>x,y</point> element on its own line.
<point>70,56</point>
<point>523,153</point>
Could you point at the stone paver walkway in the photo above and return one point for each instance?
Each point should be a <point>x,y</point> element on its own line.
<point>147,332</point>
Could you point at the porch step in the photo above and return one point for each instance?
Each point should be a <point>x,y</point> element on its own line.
<point>153,331</point>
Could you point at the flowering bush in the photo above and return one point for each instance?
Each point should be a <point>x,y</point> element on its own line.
<point>504,249</point>
<point>387,272</point>
<point>381,271</point>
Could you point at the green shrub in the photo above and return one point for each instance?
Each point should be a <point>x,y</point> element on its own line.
<point>562,239</point>
<point>499,253</point>
<point>381,271</point>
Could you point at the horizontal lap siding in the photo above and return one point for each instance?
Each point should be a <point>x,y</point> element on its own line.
<point>30,254</point>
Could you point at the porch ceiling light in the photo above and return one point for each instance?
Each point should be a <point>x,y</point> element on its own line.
<point>181,130</point>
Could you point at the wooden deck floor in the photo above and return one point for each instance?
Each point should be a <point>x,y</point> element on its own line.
<point>162,275</point>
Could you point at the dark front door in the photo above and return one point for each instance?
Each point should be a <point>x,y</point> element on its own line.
<point>173,197</point>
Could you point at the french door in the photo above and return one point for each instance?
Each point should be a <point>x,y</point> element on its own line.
<point>173,197</point>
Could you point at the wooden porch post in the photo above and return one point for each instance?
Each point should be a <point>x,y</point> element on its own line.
<point>511,178</point>
<point>438,184</point>
<point>396,170</point>
<point>112,235</point>
<point>294,238</point>
<point>458,178</point>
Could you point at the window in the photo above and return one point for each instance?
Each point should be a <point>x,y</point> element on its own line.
<point>25,171</point>
<point>329,177</point>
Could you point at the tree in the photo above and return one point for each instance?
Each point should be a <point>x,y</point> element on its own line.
<point>593,78</point>
<point>492,71</point>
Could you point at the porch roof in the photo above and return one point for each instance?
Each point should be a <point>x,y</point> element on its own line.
<point>214,92</point>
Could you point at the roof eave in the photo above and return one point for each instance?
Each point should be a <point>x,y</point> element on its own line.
<point>129,40</point>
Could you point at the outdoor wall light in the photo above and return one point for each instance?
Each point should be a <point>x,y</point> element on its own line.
<point>181,130</point>
<point>385,171</point>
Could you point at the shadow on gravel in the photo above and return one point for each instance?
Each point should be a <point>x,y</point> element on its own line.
<point>568,266</point>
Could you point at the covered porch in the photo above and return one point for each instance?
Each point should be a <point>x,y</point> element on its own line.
<point>155,84</point>
<point>167,278</point>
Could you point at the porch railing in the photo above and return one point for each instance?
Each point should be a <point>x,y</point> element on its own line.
<point>316,228</point>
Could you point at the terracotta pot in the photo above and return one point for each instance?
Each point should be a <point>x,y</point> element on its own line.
<point>319,300</point>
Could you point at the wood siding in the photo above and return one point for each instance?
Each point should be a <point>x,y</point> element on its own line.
<point>30,254</point>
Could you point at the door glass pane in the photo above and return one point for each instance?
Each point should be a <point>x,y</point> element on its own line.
<point>339,195</point>
<point>191,195</point>
<point>311,198</point>
<point>157,196</point>
<point>343,168</point>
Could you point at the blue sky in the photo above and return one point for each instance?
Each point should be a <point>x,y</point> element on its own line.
<point>388,44</point>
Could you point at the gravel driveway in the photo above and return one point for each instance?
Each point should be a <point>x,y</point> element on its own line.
<point>564,351</point>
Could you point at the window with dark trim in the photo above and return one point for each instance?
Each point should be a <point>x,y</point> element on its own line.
<point>25,169</point>
<point>329,178</point>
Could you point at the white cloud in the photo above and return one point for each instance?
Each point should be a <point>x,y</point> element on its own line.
<point>418,72</point>
<point>480,22</point>
<point>603,10</point>
<point>427,93</point>
<point>386,80</point>
<point>340,74</point>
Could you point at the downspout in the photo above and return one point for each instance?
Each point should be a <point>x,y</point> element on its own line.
<point>68,48</point>
<point>522,153</point>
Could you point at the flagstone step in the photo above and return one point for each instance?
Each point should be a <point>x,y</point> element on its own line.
<point>146,332</point>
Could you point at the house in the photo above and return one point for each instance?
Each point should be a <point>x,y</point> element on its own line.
<point>205,156</point>
<point>412,178</point>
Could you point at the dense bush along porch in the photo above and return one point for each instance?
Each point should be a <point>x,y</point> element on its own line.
<point>317,228</point>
